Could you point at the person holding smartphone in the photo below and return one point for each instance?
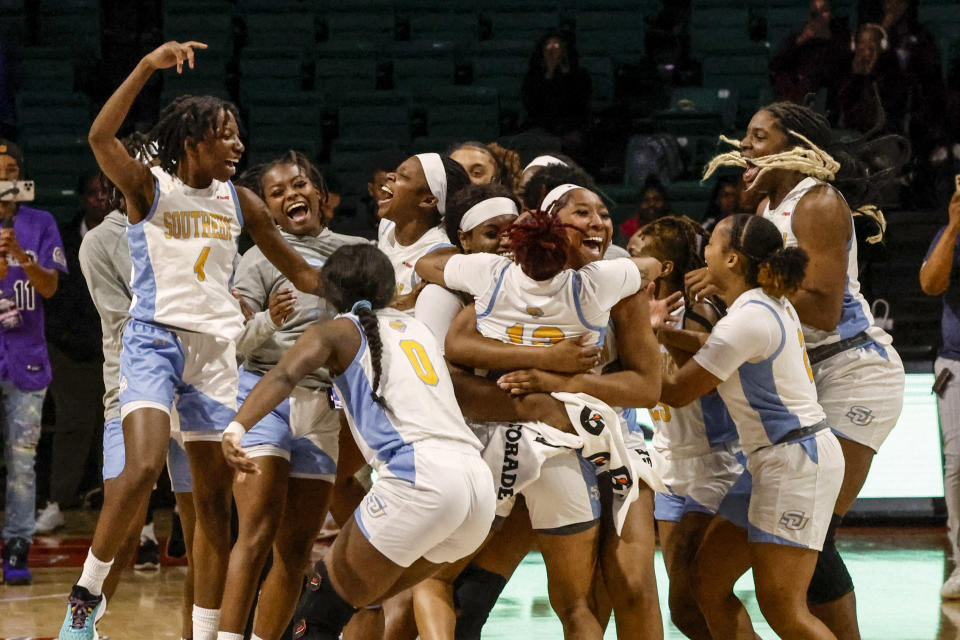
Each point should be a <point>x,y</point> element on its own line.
<point>938,278</point>
<point>31,259</point>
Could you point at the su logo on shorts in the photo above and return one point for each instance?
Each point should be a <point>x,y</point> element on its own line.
<point>375,506</point>
<point>860,415</point>
<point>794,520</point>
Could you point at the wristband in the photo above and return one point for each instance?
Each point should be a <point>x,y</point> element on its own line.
<point>235,428</point>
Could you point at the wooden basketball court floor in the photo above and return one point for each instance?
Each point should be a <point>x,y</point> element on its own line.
<point>898,573</point>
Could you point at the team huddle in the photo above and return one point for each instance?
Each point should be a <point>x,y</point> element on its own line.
<point>485,358</point>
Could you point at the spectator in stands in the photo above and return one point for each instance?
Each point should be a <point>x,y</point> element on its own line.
<point>31,255</point>
<point>915,50</point>
<point>937,279</point>
<point>654,204</point>
<point>725,200</point>
<point>874,91</point>
<point>556,90</point>
<point>813,58</point>
<point>76,356</point>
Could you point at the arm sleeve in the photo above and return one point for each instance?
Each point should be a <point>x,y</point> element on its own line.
<point>611,280</point>
<point>436,307</point>
<point>473,273</point>
<point>50,254</point>
<point>255,332</point>
<point>750,333</point>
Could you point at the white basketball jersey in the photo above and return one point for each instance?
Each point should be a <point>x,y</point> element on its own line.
<point>512,307</point>
<point>856,315</point>
<point>404,258</point>
<point>692,430</point>
<point>183,255</point>
<point>757,350</point>
<point>414,384</point>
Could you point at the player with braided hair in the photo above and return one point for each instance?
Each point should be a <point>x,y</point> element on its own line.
<point>755,358</point>
<point>697,443</point>
<point>433,500</point>
<point>489,163</point>
<point>184,218</point>
<point>790,155</point>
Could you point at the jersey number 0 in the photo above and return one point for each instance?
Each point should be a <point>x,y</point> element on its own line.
<point>421,364</point>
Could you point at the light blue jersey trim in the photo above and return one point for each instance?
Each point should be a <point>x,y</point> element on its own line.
<point>359,519</point>
<point>852,320</point>
<point>589,472</point>
<point>576,285</point>
<point>236,204</point>
<point>144,283</point>
<point>493,298</point>
<point>760,390</point>
<point>372,422</point>
<point>717,420</point>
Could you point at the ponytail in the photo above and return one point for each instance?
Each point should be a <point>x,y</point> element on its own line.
<point>781,273</point>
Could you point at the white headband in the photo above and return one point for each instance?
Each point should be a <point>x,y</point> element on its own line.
<point>545,161</point>
<point>556,194</point>
<point>436,178</point>
<point>487,209</point>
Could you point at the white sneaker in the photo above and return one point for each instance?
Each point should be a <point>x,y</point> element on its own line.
<point>951,588</point>
<point>49,518</point>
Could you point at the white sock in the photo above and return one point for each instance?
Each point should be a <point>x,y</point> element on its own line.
<point>254,636</point>
<point>94,573</point>
<point>148,533</point>
<point>205,623</point>
<point>226,635</point>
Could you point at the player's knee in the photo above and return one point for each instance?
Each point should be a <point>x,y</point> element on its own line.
<point>321,613</point>
<point>831,580</point>
<point>475,592</point>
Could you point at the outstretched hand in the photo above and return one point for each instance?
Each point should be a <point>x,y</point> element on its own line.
<point>660,310</point>
<point>234,454</point>
<point>173,53</point>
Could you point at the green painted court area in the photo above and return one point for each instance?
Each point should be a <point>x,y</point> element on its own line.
<point>898,594</point>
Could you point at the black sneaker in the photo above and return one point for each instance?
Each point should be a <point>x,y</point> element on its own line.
<point>148,556</point>
<point>15,571</point>
<point>176,545</point>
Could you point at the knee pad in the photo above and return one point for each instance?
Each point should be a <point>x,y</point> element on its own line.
<point>321,613</point>
<point>831,580</point>
<point>475,591</point>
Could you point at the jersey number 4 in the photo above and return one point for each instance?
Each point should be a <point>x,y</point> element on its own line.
<point>806,358</point>
<point>421,364</point>
<point>201,261</point>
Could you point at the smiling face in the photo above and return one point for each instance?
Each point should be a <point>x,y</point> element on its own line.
<point>488,237</point>
<point>293,200</point>
<point>9,169</point>
<point>217,155</point>
<point>589,227</point>
<point>765,136</point>
<point>479,164</point>
<point>722,261</point>
<point>404,192</point>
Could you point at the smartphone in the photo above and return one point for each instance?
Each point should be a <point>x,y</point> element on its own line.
<point>956,181</point>
<point>943,379</point>
<point>18,191</point>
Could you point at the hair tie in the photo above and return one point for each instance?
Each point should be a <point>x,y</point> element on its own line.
<point>361,304</point>
<point>436,175</point>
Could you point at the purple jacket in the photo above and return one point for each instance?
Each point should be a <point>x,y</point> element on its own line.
<point>23,350</point>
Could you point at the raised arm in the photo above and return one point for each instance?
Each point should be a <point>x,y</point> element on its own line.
<point>935,271</point>
<point>822,224</point>
<point>257,221</point>
<point>466,346</point>
<point>430,267</point>
<point>131,176</point>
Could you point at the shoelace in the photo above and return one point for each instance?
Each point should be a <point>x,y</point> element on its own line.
<point>80,611</point>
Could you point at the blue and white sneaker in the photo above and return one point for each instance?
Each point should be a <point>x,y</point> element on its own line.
<point>80,621</point>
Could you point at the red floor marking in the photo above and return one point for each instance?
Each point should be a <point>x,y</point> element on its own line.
<point>71,552</point>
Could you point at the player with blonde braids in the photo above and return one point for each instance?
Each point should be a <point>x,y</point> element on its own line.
<point>790,154</point>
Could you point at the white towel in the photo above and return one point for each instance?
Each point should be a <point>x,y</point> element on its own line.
<point>599,429</point>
